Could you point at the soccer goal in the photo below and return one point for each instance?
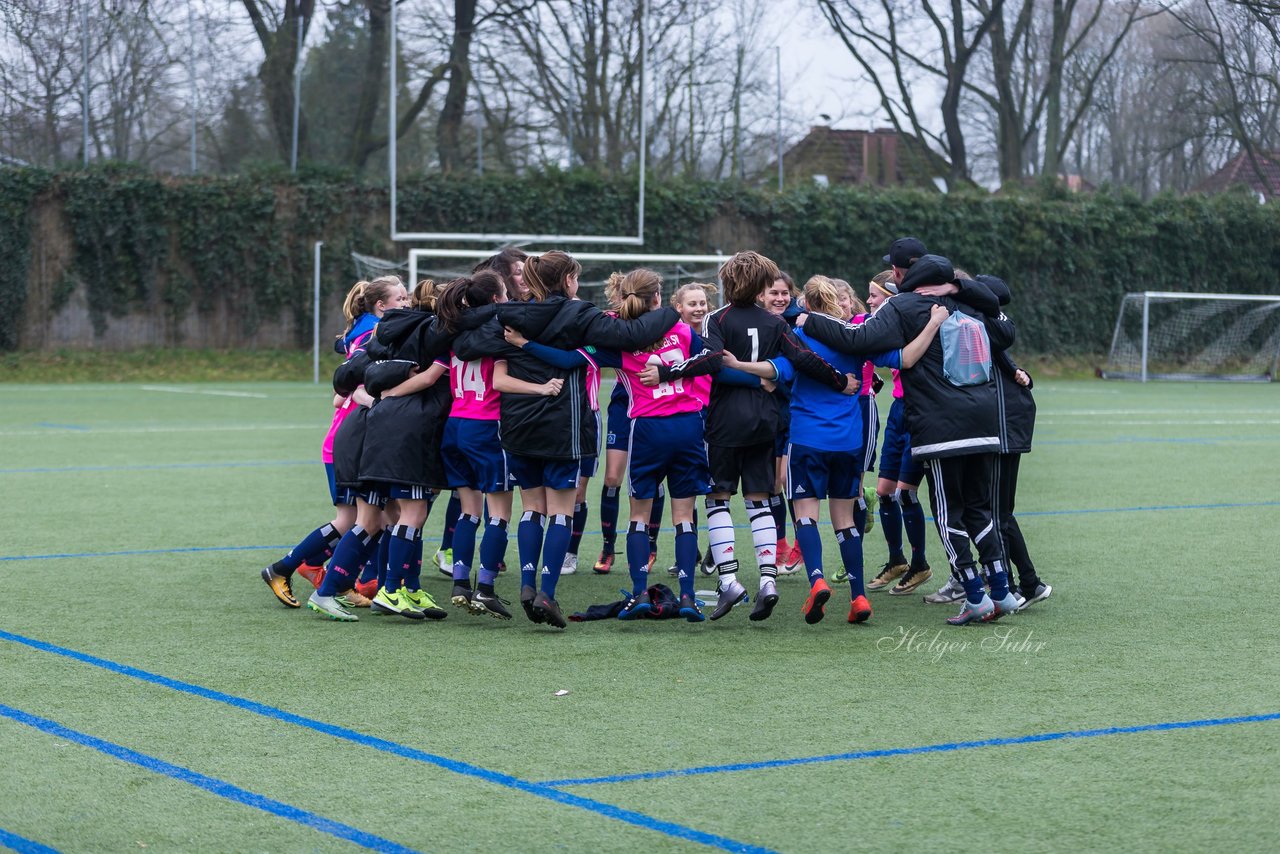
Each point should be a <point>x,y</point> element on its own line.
<point>1174,336</point>
<point>444,264</point>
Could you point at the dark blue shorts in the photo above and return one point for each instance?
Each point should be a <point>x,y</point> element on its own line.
<point>783,437</point>
<point>340,497</point>
<point>870,431</point>
<point>670,448</point>
<point>587,465</point>
<point>373,493</point>
<point>532,472</point>
<point>473,456</point>
<point>814,473</point>
<point>619,435</point>
<point>896,462</point>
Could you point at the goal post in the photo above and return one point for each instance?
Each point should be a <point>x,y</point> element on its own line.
<point>1165,335</point>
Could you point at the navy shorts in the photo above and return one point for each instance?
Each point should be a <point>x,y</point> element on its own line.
<point>783,437</point>
<point>373,493</point>
<point>587,465</point>
<point>473,456</point>
<point>532,472</point>
<point>751,464</point>
<point>670,448</point>
<point>619,436</point>
<point>341,497</point>
<point>814,473</point>
<point>896,462</point>
<point>870,431</point>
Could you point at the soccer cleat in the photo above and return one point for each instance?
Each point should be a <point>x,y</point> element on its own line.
<point>765,600</point>
<point>914,577</point>
<point>461,596</point>
<point>636,606</point>
<point>859,610</point>
<point>727,598</point>
<point>707,563</point>
<point>570,565</point>
<point>1008,605</point>
<point>690,611</point>
<point>329,607</point>
<point>1041,593</point>
<point>673,571</point>
<point>528,597</point>
<point>367,589</point>
<point>653,558</point>
<point>551,610</point>
<point>394,603</point>
<point>971,612</point>
<point>952,591</point>
<point>888,574</point>
<point>422,601</point>
<point>314,574</point>
<point>869,496</point>
<point>502,566</point>
<point>794,559</point>
<point>812,609</point>
<point>280,586</point>
<point>354,599</point>
<point>784,553</point>
<point>489,603</point>
<point>444,562</point>
<point>604,563</point>
<point>841,575</point>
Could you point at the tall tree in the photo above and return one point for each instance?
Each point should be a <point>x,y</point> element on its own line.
<point>279,32</point>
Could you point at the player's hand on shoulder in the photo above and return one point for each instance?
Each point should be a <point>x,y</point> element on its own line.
<point>514,337</point>
<point>938,313</point>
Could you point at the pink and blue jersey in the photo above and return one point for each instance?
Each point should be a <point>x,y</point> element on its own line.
<point>666,398</point>
<point>471,383</point>
<point>360,332</point>
<point>868,369</point>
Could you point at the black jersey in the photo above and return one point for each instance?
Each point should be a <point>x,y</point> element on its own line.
<point>739,416</point>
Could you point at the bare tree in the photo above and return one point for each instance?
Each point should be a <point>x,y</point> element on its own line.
<point>279,32</point>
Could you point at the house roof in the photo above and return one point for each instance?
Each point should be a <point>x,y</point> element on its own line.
<point>1239,170</point>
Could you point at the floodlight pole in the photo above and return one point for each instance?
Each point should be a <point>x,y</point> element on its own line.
<point>315,317</point>
<point>191,70</point>
<point>391,119</point>
<point>297,94</point>
<point>644,140</point>
<point>778,55</point>
<point>84,73</point>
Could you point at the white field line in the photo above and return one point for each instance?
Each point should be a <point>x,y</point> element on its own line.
<point>217,393</point>
<point>1169,422</point>
<point>103,431</point>
<point>1090,413</point>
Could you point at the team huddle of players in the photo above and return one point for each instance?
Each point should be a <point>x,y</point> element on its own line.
<point>489,384</point>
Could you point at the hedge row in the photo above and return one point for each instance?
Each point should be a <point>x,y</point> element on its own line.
<point>141,241</point>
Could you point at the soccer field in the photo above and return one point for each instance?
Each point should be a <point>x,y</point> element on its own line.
<point>154,695</point>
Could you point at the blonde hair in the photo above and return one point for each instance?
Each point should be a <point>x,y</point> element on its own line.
<point>746,276</point>
<point>364,297</point>
<point>635,291</point>
<point>705,287</point>
<point>880,280</point>
<point>961,274</point>
<point>548,274</point>
<point>859,307</point>
<point>424,296</point>
<point>822,295</point>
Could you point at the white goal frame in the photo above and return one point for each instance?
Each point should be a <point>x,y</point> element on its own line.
<point>1147,296</point>
<point>398,236</point>
<point>622,257</point>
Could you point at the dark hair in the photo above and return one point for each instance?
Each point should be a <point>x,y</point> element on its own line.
<point>466,293</point>
<point>790,282</point>
<point>548,274</point>
<point>501,263</point>
<point>747,275</point>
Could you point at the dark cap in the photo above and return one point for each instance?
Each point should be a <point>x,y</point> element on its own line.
<point>998,287</point>
<point>902,250</point>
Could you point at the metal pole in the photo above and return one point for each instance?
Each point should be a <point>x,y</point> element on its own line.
<point>315,318</point>
<point>778,54</point>
<point>297,93</point>
<point>191,69</point>
<point>644,126</point>
<point>479,149</point>
<point>1146,319</point>
<point>84,73</point>
<point>391,118</point>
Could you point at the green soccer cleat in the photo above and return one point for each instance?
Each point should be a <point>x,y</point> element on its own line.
<point>394,603</point>
<point>330,607</point>
<point>421,600</point>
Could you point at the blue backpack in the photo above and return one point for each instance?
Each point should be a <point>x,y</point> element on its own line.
<point>966,350</point>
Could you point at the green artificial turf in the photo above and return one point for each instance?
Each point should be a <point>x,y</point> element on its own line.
<point>1152,510</point>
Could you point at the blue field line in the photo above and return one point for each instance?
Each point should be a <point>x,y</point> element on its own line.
<point>1021,513</point>
<point>79,428</point>
<point>912,751</point>
<point>456,766</point>
<point>221,788</point>
<point>22,845</point>
<point>163,466</point>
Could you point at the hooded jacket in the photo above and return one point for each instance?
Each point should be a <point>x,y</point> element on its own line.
<point>562,426</point>
<point>1017,406</point>
<point>944,420</point>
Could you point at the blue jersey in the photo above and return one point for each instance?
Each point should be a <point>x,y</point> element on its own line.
<point>821,417</point>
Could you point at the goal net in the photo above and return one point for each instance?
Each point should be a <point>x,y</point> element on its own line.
<point>369,267</point>
<point>676,270</point>
<point>1174,336</point>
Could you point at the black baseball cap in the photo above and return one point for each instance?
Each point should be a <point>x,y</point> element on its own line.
<point>998,286</point>
<point>902,250</point>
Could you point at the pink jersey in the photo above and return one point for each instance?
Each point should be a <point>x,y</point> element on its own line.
<point>671,398</point>
<point>868,369</point>
<point>593,381</point>
<point>702,389</point>
<point>344,409</point>
<point>472,386</point>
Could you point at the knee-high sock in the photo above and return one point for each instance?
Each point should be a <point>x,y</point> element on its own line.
<point>997,578</point>
<point>638,557</point>
<point>850,542</point>
<point>464,548</point>
<point>778,508</point>
<point>401,556</point>
<point>720,537</point>
<point>493,549</point>
<point>609,517</point>
<point>376,565</point>
<point>764,538</point>
<point>860,515</point>
<point>810,543</point>
<point>554,548</point>
<point>655,520</point>
<point>451,513</point>
<point>315,549</point>
<point>891,526</point>
<point>913,522</point>
<point>686,556</point>
<point>579,527</point>
<point>348,556</point>
<point>529,546</point>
